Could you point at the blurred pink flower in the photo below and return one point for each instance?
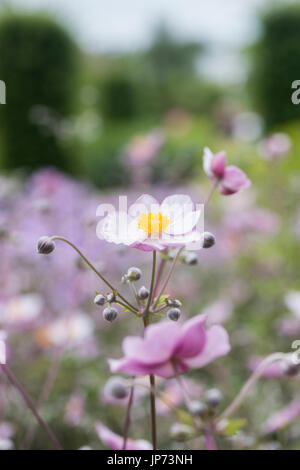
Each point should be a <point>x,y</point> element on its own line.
<point>275,146</point>
<point>273,371</point>
<point>152,226</point>
<point>292,301</point>
<point>115,442</point>
<point>218,312</point>
<point>168,348</point>
<point>144,148</point>
<point>21,310</point>
<point>68,331</point>
<point>75,409</point>
<point>3,348</point>
<point>283,417</point>
<point>229,179</point>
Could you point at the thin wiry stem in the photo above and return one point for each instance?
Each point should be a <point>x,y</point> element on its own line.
<point>46,390</point>
<point>128,416</point>
<point>250,382</point>
<point>57,237</point>
<point>168,277</point>
<point>158,277</point>
<point>146,321</point>
<point>31,406</point>
<point>146,312</point>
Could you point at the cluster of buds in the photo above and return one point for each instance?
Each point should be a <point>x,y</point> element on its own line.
<point>174,312</point>
<point>109,313</point>
<point>203,409</point>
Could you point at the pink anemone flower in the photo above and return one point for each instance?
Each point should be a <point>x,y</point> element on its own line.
<point>115,442</point>
<point>168,349</point>
<point>229,179</point>
<point>283,417</point>
<point>149,225</point>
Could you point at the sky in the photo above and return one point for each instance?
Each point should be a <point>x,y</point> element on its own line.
<point>122,25</point>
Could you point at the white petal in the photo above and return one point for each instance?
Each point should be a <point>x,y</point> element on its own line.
<point>183,224</point>
<point>207,161</point>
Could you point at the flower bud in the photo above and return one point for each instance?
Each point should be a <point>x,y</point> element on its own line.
<point>190,259</point>
<point>174,314</point>
<point>134,274</point>
<point>110,314</point>
<point>197,408</point>
<point>174,303</point>
<point>99,299</point>
<point>45,245</point>
<point>143,293</point>
<point>213,397</point>
<point>111,298</point>
<point>208,240</point>
<point>289,367</point>
<point>116,388</point>
<point>180,432</point>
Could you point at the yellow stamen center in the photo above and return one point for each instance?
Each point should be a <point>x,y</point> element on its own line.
<point>153,223</point>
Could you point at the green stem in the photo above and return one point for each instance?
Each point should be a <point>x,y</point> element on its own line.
<point>250,382</point>
<point>168,277</point>
<point>128,416</point>
<point>31,406</point>
<point>56,237</point>
<point>146,311</point>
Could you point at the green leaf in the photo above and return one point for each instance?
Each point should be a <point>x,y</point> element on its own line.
<point>184,417</point>
<point>162,300</point>
<point>233,426</point>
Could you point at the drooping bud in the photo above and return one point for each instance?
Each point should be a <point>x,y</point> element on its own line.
<point>289,367</point>
<point>110,314</point>
<point>174,303</point>
<point>197,408</point>
<point>111,298</point>
<point>208,240</point>
<point>99,299</point>
<point>116,387</point>
<point>190,259</point>
<point>174,314</point>
<point>134,274</point>
<point>180,432</point>
<point>143,293</point>
<point>45,245</point>
<point>213,397</point>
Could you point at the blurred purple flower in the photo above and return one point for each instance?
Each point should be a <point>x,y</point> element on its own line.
<point>275,146</point>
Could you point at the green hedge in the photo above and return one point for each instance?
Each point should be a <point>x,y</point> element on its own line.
<point>38,65</point>
<point>277,65</point>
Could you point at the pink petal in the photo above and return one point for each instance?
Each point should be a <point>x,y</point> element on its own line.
<point>271,372</point>
<point>283,417</point>
<point>192,338</point>
<point>218,165</point>
<point>217,344</point>
<point>234,180</point>
<point>115,442</point>
<point>148,245</point>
